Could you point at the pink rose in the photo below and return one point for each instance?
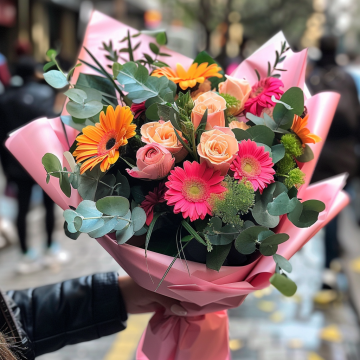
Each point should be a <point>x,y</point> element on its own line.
<point>239,89</point>
<point>153,162</point>
<point>218,148</point>
<point>215,104</point>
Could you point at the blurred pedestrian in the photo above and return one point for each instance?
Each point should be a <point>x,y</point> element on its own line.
<point>23,102</point>
<point>339,151</point>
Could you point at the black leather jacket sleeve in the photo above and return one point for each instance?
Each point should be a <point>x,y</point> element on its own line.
<point>70,312</point>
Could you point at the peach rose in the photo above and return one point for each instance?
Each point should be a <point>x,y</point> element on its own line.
<point>216,106</point>
<point>218,148</point>
<point>203,88</point>
<point>239,89</point>
<point>163,133</point>
<point>153,162</point>
<point>238,125</point>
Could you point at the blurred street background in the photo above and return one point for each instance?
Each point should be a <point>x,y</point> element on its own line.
<point>321,322</point>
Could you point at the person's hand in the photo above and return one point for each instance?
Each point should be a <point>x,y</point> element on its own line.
<point>139,300</point>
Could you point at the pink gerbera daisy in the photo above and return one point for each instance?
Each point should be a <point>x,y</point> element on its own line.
<point>151,199</point>
<point>261,93</point>
<point>253,164</point>
<point>190,188</point>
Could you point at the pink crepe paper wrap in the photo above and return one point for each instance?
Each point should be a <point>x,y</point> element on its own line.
<point>206,294</point>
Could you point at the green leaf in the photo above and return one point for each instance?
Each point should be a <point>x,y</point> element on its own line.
<point>122,187</point>
<point>281,205</point>
<point>187,238</point>
<point>282,263</point>
<point>138,218</point>
<point>293,97</point>
<point>301,217</point>
<point>56,79</point>
<point>140,86</point>
<point>151,228</point>
<point>48,66</point>
<point>161,38</point>
<point>216,258</point>
<point>269,246</point>
<point>84,111</point>
<point>51,54</point>
<point>137,193</point>
<point>52,164</point>
<point>124,222</point>
<point>154,48</point>
<point>113,205</point>
<point>65,184</point>
<point>286,286</point>
<point>72,236</point>
<point>116,67</point>
<point>278,152</point>
<point>192,232</point>
<point>202,125</point>
<point>293,192</point>
<point>122,236</point>
<point>77,95</point>
<point>68,120</point>
<point>257,75</point>
<point>267,121</point>
<point>77,223</point>
<point>262,134</point>
<point>241,135</point>
<point>91,94</point>
<point>260,212</point>
<point>100,83</point>
<point>47,178</point>
<point>152,112</point>
<point>307,156</point>
<point>69,216</point>
<point>108,226</point>
<point>315,205</point>
<point>245,243</point>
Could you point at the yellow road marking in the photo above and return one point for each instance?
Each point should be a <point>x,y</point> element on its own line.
<point>126,342</point>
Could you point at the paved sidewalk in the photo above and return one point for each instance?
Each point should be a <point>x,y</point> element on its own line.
<point>266,327</point>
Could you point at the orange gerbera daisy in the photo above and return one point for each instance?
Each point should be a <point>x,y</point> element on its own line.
<point>195,74</point>
<point>300,129</point>
<point>100,143</point>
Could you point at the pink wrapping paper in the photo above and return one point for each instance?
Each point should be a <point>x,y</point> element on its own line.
<point>206,293</point>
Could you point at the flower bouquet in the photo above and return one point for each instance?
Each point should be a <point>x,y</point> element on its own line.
<point>196,183</point>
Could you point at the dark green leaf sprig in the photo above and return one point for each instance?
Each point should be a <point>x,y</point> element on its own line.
<point>279,58</point>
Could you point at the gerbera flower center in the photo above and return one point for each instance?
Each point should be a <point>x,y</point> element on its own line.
<point>250,166</point>
<point>258,91</point>
<point>195,190</point>
<point>110,143</point>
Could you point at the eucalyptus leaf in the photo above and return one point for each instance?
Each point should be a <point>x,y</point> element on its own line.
<point>122,236</point>
<point>245,243</point>
<point>278,152</point>
<point>65,184</point>
<point>68,120</point>
<point>241,134</point>
<point>72,236</point>
<point>138,218</point>
<point>285,285</point>
<point>122,187</point>
<point>281,205</point>
<point>215,259</point>
<point>307,156</point>
<point>123,223</point>
<point>108,226</point>
<point>84,111</point>
<point>269,246</point>
<point>303,217</point>
<point>113,205</point>
<point>77,95</point>
<point>56,79</point>
<point>282,263</point>
<point>52,164</point>
<point>262,134</point>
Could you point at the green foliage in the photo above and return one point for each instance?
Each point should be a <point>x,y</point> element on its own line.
<point>306,214</point>
<point>216,257</point>
<point>140,86</point>
<point>283,115</point>
<point>285,285</point>
<point>261,134</point>
<point>247,240</point>
<point>231,101</point>
<point>286,164</point>
<point>296,178</point>
<point>267,121</point>
<point>292,145</point>
<point>216,234</point>
<point>281,205</point>
<point>235,201</point>
<point>277,152</point>
<point>307,155</point>
<point>56,79</point>
<point>115,215</point>
<point>282,263</point>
